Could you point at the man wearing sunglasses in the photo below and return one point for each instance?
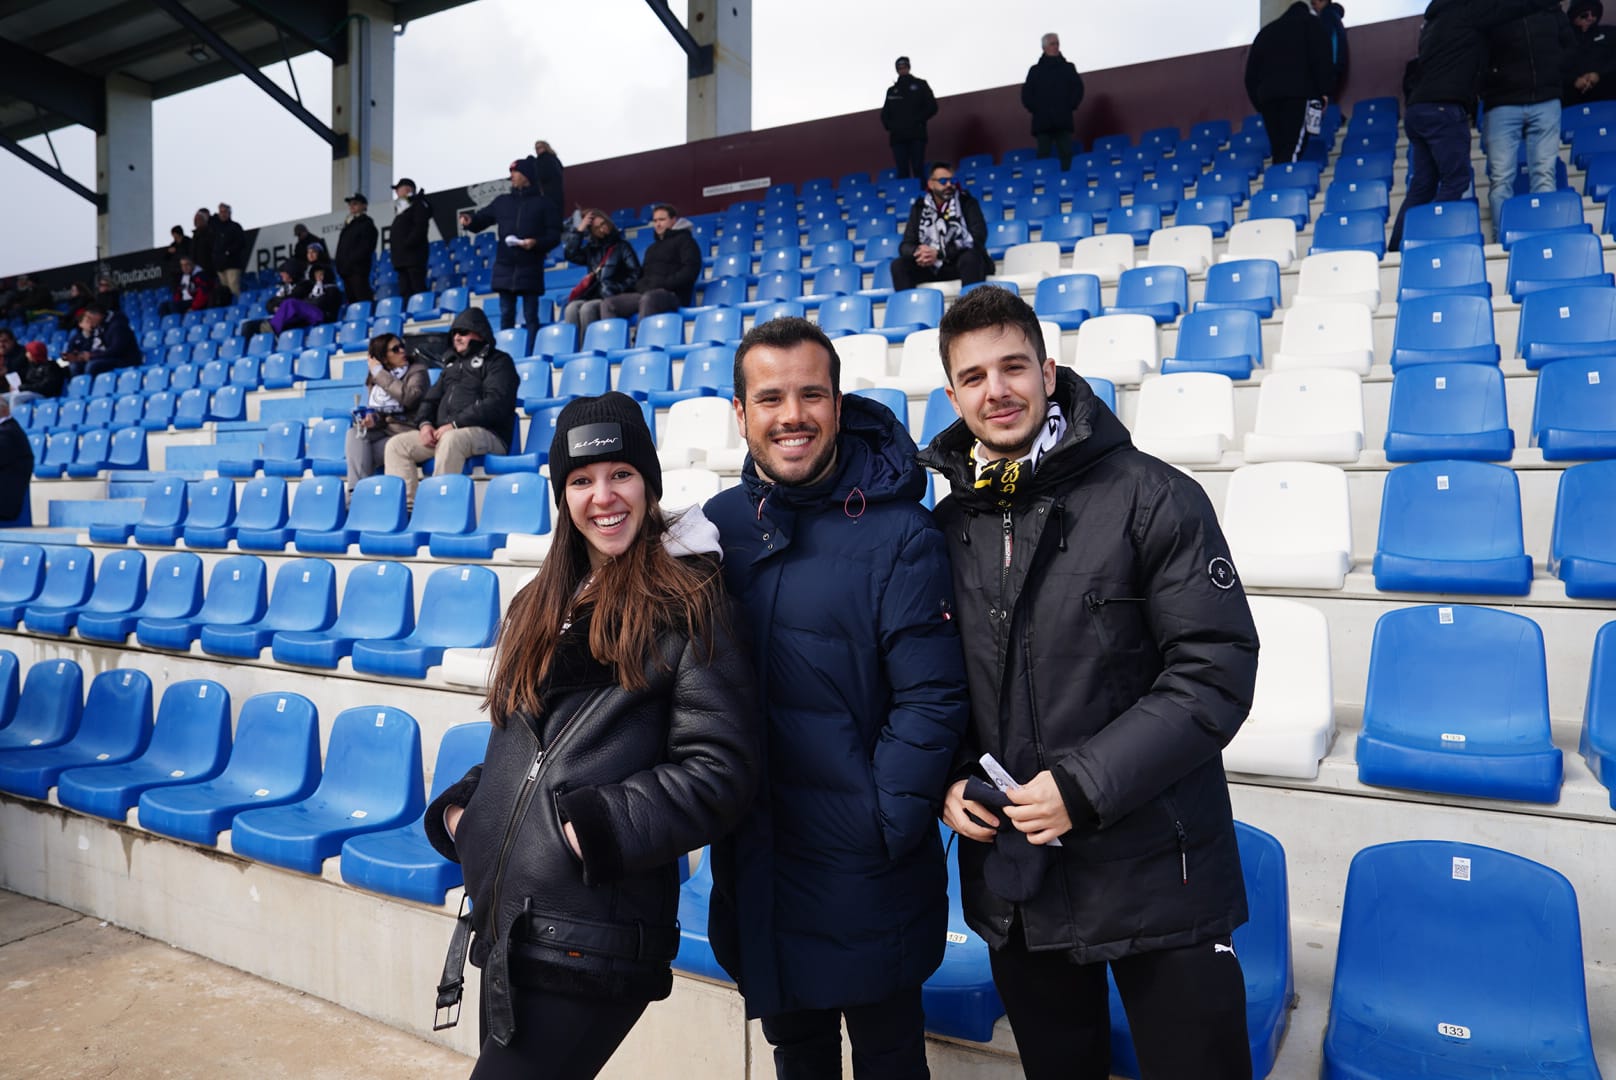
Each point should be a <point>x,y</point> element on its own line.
<point>470,410</point>
<point>946,238</point>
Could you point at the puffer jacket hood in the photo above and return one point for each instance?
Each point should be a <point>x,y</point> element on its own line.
<point>474,320</point>
<point>690,533</point>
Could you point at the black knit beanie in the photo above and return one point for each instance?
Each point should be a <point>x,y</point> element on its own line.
<point>1579,6</point>
<point>610,427</point>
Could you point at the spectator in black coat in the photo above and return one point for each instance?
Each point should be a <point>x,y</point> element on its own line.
<point>16,465</point>
<point>1591,75</point>
<point>310,302</point>
<point>191,292</point>
<point>179,244</point>
<point>529,226</point>
<point>550,179</point>
<point>946,238</point>
<point>1288,66</point>
<point>202,234</point>
<point>910,103</point>
<point>1331,16</point>
<point>1051,94</point>
<point>668,271</point>
<point>40,377</point>
<point>1527,61</point>
<point>301,239</point>
<point>410,236</point>
<point>104,341</point>
<point>12,355</point>
<point>356,248</point>
<point>613,267</point>
<point>229,250</point>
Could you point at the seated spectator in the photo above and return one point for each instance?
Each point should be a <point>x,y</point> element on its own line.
<point>301,240</point>
<point>668,271</point>
<point>40,377</point>
<point>31,298</point>
<point>394,389</point>
<point>104,341</point>
<point>599,247</point>
<point>470,410</point>
<point>107,293</point>
<point>12,356</point>
<point>16,465</point>
<point>946,238</point>
<point>314,300</point>
<point>191,291</point>
<point>529,226</point>
<point>79,297</point>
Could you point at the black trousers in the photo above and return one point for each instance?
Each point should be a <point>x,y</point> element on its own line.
<point>1285,119</point>
<point>411,280</point>
<point>1439,138</point>
<point>1058,141</point>
<point>530,313</point>
<point>356,287</point>
<point>888,1037</point>
<point>557,1037</point>
<point>1186,1007</point>
<point>969,266</point>
<point>910,158</point>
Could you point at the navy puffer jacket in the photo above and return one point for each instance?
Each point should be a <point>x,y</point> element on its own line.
<point>525,214</point>
<point>833,893</point>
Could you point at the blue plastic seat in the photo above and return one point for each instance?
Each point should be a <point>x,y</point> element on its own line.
<point>1536,214</point>
<point>1164,193</point>
<point>582,376</point>
<point>235,596</point>
<point>8,681</point>
<point>1356,168</point>
<point>377,506</point>
<point>1003,235</point>
<point>443,504</point>
<point>191,409</point>
<point>1413,995</point>
<point>1231,184</point>
<point>1439,269</point>
<point>695,950</point>
<point>512,503</point>
<point>128,410</point>
<point>214,373</point>
<point>1599,179</point>
<point>115,726</point>
<point>1296,174</point>
<point>190,742</point>
<point>939,416</point>
<point>1556,260</point>
<point>48,709</point>
<point>1289,202</point>
<point>60,449</point>
<point>1356,230</point>
<point>119,588</point>
<point>1573,321</point>
<point>91,456</point>
<point>1452,527</point>
<point>842,315</point>
<point>1598,741</point>
<point>327,448</point>
<point>1582,550</point>
<point>908,311</point>
<point>1448,411</point>
<point>69,577</point>
<point>1222,341</point>
<point>1248,284</point>
<point>1136,221</point>
<point>896,401</point>
<point>378,604</point>
<point>401,862</point>
<point>304,599</point>
<point>1162,292</point>
<point>959,998</point>
<point>459,609</point>
<point>1099,203</point>
<point>158,413</point>
<point>1066,229</point>
<point>1444,329</point>
<point>1067,300</point>
<point>97,414</point>
<point>173,592</point>
<point>1216,212</point>
<point>1574,416</point>
<point>210,521</point>
<point>371,783</point>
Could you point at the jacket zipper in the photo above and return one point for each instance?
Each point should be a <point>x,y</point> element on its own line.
<point>1009,552</point>
<point>1183,853</point>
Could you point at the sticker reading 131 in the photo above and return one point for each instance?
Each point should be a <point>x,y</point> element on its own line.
<point>1221,571</point>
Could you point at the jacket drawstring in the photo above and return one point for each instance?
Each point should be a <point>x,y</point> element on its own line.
<point>848,502</point>
<point>965,530</point>
<point>1060,525</point>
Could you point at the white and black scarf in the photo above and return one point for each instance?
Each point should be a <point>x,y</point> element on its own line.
<point>1004,477</point>
<point>943,227</point>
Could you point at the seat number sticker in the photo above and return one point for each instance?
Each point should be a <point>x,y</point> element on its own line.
<point>956,938</point>
<point>1453,1031</point>
<point>1461,872</point>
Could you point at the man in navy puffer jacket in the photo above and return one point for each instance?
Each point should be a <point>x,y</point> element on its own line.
<point>830,901</point>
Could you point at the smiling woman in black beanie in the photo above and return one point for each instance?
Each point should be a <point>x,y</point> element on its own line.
<point>623,738</point>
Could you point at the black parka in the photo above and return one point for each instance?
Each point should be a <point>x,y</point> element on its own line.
<point>1528,59</point>
<point>1595,53</point>
<point>526,214</point>
<point>1290,59</point>
<point>1117,651</point>
<point>1052,92</point>
<point>672,262</point>
<point>475,390</point>
<point>356,247</point>
<point>1453,48</point>
<point>909,104</point>
<point>410,235</point>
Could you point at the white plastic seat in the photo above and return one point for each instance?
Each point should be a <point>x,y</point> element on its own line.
<point>1028,264</point>
<point>528,547</point>
<point>1292,720</point>
<point>1289,525</point>
<point>688,487</point>
<point>864,360</point>
<point>1122,348</point>
<point>1340,277</point>
<point>697,431</point>
<point>1326,334</point>
<point>468,667</point>
<point>1186,418</point>
<point>1106,257</point>
<point>1308,416</point>
<point>1052,340</point>
<point>949,287</point>
<point>920,365</point>
<point>1270,238</point>
<point>1189,246</point>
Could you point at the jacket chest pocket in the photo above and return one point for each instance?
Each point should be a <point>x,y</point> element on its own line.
<point>1121,626</point>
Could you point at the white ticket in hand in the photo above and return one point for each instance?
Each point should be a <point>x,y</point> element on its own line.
<point>1003,780</point>
<point>513,241</point>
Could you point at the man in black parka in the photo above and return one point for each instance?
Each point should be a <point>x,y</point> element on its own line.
<point>529,226</point>
<point>1289,64</point>
<point>410,236</point>
<point>356,249</point>
<point>1111,656</point>
<point>1591,75</point>
<point>909,104</point>
<point>1051,94</point>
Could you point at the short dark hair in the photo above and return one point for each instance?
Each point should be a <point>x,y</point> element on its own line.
<point>93,309</point>
<point>988,307</point>
<point>785,334</point>
<point>933,166</point>
<point>673,211</point>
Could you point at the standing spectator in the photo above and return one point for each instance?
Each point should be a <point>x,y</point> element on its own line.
<point>203,234</point>
<point>41,377</point>
<point>410,236</point>
<point>1051,94</point>
<point>1528,58</point>
<point>356,249</point>
<point>191,291</point>
<point>179,245</point>
<point>1288,66</point>
<point>612,265</point>
<point>104,341</point>
<point>946,238</point>
<point>1110,659</point>
<point>830,900</point>
<point>394,388</point>
<point>229,250</point>
<point>16,465</point>
<point>1331,16</point>
<point>551,181</point>
<point>910,103</point>
<point>107,293</point>
<point>668,271</point>
<point>470,410</point>
<point>529,226</point>
<point>1591,75</point>
<point>301,239</point>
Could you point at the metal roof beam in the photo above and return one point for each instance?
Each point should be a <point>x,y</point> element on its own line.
<point>318,23</point>
<point>54,173</point>
<point>54,87</point>
<point>154,47</point>
<point>699,58</point>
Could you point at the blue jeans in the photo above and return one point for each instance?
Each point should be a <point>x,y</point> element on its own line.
<point>1439,138</point>
<point>1507,127</point>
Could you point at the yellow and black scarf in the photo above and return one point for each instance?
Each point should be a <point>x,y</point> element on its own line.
<point>1004,478</point>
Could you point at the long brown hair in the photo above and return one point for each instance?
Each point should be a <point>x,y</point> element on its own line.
<point>631,599</point>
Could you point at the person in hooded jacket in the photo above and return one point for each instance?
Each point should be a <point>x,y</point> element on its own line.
<point>1528,58</point>
<point>1591,73</point>
<point>612,267</point>
<point>312,301</point>
<point>1289,64</point>
<point>470,410</point>
<point>552,176</point>
<point>1333,16</point>
<point>1051,94</point>
<point>830,901</point>
<point>356,249</point>
<point>410,237</point>
<point>529,226</point>
<point>909,105</point>
<point>668,271</point>
<point>623,737</point>
<point>1111,656</point>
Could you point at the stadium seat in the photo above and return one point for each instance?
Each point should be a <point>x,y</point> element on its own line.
<point>1106,257</point>
<point>1252,284</point>
<point>1137,221</point>
<point>1598,741</point>
<point>304,598</point>
<point>1443,223</point>
<point>1574,415</point>
<point>158,413</point>
<point>459,609</point>
<point>1452,527</point>
<point>1227,342</point>
<point>1599,179</point>
<point>1164,192</point>
<point>587,375</point>
<point>896,401</point>
<point>1186,418</point>
<point>1414,996</point>
<point>1583,547</point>
<point>1444,329</point>
<point>120,588</point>
<point>864,360</point>
<point>91,456</point>
<point>1348,195</point>
<point>115,726</point>
<point>174,592</point>
<point>938,417</point>
<point>274,760</point>
<point>210,522</point>
<point>1278,204</point>
<point>327,447</point>
<point>128,410</point>
<point>1308,416</point>
<point>1443,269</point>
<point>1188,247</point>
<point>1292,720</point>
<point>190,742</point>
<point>191,409</point>
<point>1027,264</point>
<point>1099,203</point>
<point>1565,322</point>
<point>1354,230</point>
<point>371,783</point>
<point>1538,214</point>
<point>1326,335</point>
<point>400,861</point>
<point>540,433</point>
<point>60,449</point>
<point>49,708</point>
<point>126,449</point>
<point>920,368</point>
<point>1231,184</point>
<point>1554,261</point>
<point>908,311</point>
<point>959,998</point>
<point>1120,348</point>
<point>696,429</point>
<point>69,577</point>
<point>378,604</point>
<point>1294,174</point>
<point>1068,299</point>
<point>1340,277</point>
<point>1289,525</point>
<point>1274,240</point>
<point>1160,292</point>
<point>839,315</point>
<point>235,596</point>
<point>512,503</point>
<point>683,488</point>
<point>8,682</point>
<point>1448,411</point>
<point>443,504</point>
<point>377,506</point>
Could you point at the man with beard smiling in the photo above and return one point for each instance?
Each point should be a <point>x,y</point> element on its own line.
<point>830,900</point>
<point>1111,656</point>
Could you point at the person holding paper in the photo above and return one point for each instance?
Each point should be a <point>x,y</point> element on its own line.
<point>1111,656</point>
<point>529,226</point>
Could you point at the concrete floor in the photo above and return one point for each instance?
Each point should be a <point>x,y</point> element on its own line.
<point>84,999</point>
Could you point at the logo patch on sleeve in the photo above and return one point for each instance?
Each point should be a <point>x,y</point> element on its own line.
<point>1221,571</point>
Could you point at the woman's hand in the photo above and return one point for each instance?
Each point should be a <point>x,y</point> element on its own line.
<point>572,839</point>
<point>451,819</point>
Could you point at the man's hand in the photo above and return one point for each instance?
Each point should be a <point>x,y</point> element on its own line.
<point>451,818</point>
<point>926,255</point>
<point>956,806</point>
<point>529,244</point>
<point>1038,810</point>
<point>465,220</point>
<point>572,839</point>
<point>1587,82</point>
<point>429,436</point>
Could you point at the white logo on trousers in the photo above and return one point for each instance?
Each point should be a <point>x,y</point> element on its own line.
<point>1216,948</point>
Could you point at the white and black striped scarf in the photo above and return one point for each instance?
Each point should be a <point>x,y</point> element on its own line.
<point>943,227</point>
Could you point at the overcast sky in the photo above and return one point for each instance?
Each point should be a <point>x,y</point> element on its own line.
<point>476,85</point>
